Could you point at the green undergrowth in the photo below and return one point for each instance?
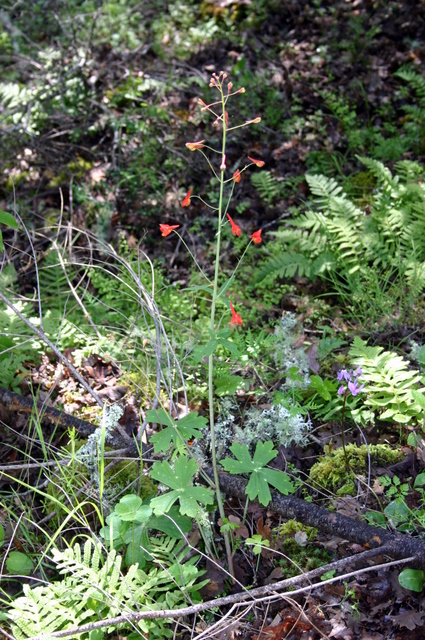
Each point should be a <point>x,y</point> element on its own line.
<point>374,263</point>
<point>74,483</point>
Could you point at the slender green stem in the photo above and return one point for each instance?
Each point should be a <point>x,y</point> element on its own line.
<point>211,357</point>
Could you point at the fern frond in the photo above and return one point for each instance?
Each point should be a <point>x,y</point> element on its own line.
<point>93,587</point>
<point>380,171</point>
<point>285,265</point>
<point>415,276</point>
<point>267,185</point>
<point>389,381</point>
<point>415,80</point>
<point>39,611</point>
<point>408,170</point>
<point>323,188</point>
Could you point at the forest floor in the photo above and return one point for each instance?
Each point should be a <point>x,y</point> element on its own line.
<point>94,159</point>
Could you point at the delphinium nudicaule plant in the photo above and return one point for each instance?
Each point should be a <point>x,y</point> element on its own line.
<point>220,337</point>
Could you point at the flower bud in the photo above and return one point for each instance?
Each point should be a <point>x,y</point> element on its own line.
<point>258,163</point>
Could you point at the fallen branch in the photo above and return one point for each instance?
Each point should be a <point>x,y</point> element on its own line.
<point>15,402</point>
<point>267,592</point>
<point>397,545</point>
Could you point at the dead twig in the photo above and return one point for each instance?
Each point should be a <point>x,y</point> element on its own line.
<point>268,592</point>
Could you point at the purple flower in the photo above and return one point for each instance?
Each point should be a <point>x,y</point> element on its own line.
<point>343,374</point>
<point>351,378</point>
<point>353,388</point>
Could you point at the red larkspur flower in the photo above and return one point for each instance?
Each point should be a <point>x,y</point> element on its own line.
<point>186,201</point>
<point>236,230</point>
<point>256,237</point>
<point>236,319</point>
<point>258,163</point>
<point>193,146</point>
<point>237,176</point>
<point>166,229</point>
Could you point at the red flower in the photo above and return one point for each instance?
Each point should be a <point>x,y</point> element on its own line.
<point>258,163</point>
<point>186,201</point>
<point>236,319</point>
<point>195,145</point>
<point>237,176</point>
<point>236,230</point>
<point>166,229</point>
<point>226,118</point>
<point>256,237</point>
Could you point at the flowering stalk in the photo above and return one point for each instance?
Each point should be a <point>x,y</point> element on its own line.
<point>212,324</point>
<point>222,118</point>
<point>351,379</point>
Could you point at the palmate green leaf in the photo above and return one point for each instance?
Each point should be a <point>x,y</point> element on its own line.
<point>243,464</point>
<point>130,508</point>
<point>279,480</point>
<point>175,431</point>
<point>180,480</point>
<point>258,485</point>
<point>264,453</point>
<point>230,346</point>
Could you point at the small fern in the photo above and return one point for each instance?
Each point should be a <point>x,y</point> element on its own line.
<point>389,382</point>
<point>336,237</point>
<point>93,587</point>
<point>267,186</point>
<point>415,113</point>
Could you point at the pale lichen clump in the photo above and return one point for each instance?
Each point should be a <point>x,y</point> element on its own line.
<point>282,425</point>
<point>289,358</point>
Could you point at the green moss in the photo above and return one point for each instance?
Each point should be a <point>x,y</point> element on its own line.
<point>330,471</point>
<point>291,527</point>
<point>306,557</point>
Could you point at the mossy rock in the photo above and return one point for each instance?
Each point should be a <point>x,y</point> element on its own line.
<point>330,471</point>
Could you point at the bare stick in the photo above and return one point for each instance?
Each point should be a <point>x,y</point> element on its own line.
<point>267,592</point>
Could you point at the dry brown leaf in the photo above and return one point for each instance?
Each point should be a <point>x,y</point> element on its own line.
<point>410,619</point>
